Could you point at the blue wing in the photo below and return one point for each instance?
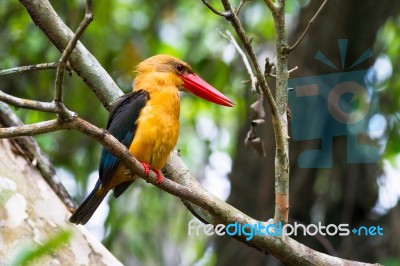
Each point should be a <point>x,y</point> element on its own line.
<point>122,125</point>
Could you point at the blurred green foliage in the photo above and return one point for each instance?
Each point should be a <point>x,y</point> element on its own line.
<point>389,43</point>
<point>31,254</point>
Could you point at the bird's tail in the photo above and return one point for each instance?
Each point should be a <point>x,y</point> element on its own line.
<point>89,206</point>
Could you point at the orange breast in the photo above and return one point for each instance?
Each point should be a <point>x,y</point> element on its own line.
<point>157,128</point>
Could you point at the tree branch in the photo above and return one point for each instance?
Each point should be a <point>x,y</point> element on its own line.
<point>28,104</point>
<point>117,149</point>
<point>270,5</point>
<point>281,135</point>
<point>81,60</point>
<point>58,95</point>
<point>22,69</point>
<point>291,48</point>
<point>253,79</point>
<point>225,14</point>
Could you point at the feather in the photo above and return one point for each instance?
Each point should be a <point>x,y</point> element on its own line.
<point>122,124</point>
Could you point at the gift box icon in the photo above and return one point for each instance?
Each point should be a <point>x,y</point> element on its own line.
<point>327,106</point>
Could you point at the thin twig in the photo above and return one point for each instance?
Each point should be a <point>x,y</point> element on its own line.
<point>33,129</point>
<point>291,48</point>
<point>293,69</point>
<point>253,79</point>
<point>270,5</point>
<point>49,107</point>
<point>237,25</point>
<point>225,14</point>
<point>58,97</point>
<point>22,69</point>
<point>237,10</point>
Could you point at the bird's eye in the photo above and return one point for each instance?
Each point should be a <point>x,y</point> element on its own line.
<point>180,68</point>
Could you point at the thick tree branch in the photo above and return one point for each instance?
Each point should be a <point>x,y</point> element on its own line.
<point>225,14</point>
<point>34,227</point>
<point>246,41</point>
<point>257,117</point>
<point>237,10</point>
<point>282,137</point>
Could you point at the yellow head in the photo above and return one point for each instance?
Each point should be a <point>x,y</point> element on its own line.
<point>161,71</point>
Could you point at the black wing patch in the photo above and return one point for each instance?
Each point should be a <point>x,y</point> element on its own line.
<point>122,124</point>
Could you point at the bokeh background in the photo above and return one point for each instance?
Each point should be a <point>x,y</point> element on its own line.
<point>149,227</point>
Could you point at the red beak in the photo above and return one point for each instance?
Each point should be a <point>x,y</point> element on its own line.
<point>201,88</point>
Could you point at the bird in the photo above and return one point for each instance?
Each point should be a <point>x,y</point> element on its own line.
<point>146,121</point>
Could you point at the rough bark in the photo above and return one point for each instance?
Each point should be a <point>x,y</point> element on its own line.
<point>33,214</point>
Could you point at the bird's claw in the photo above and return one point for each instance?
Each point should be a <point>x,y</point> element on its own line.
<point>146,167</point>
<point>147,172</point>
<point>159,176</point>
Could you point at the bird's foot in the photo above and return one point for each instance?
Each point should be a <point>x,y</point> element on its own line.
<point>159,176</point>
<point>146,167</point>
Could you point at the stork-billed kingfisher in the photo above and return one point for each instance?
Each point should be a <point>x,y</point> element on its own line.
<point>146,121</point>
